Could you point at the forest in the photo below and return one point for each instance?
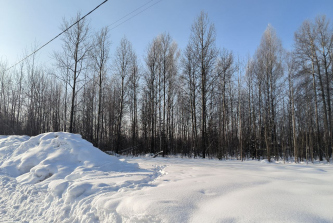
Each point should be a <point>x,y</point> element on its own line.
<point>200,101</point>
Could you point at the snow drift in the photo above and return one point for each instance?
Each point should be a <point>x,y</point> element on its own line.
<point>54,156</point>
<point>59,177</point>
<point>54,177</point>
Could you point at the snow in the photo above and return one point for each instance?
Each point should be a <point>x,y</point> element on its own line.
<point>59,177</point>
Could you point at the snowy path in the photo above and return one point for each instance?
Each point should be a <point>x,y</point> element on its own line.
<point>58,177</point>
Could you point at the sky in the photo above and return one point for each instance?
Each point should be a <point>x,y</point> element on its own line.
<point>239,23</point>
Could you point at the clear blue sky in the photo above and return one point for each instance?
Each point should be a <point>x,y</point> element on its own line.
<point>239,23</point>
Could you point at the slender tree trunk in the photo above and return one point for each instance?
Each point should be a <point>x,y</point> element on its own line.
<point>73,100</point>
<point>293,119</point>
<point>203,113</point>
<point>316,113</point>
<point>326,135</point>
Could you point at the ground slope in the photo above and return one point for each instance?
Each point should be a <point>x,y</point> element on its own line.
<point>59,177</point>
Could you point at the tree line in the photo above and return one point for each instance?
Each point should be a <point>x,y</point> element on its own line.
<point>201,101</point>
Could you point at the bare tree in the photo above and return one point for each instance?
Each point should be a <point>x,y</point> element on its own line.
<point>202,42</point>
<point>190,78</point>
<point>133,85</point>
<point>153,66</point>
<point>291,67</point>
<point>123,64</point>
<point>75,51</point>
<point>269,56</point>
<point>100,56</point>
<point>224,69</point>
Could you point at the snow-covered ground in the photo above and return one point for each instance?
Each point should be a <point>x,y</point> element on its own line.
<point>59,177</point>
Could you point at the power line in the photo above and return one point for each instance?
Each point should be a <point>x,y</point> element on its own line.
<point>130,13</point>
<point>133,15</point>
<point>86,16</point>
<point>57,35</point>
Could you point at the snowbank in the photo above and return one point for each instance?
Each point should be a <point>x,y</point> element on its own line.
<point>53,156</point>
<point>59,177</point>
<point>56,176</point>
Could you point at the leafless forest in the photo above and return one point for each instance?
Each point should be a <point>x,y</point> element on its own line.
<point>200,101</point>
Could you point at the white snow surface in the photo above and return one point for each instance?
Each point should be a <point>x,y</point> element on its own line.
<point>59,177</point>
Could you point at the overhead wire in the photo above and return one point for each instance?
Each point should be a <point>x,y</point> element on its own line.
<point>130,13</point>
<point>86,16</point>
<point>56,36</point>
<point>134,14</point>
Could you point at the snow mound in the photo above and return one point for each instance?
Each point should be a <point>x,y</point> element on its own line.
<point>59,177</point>
<point>53,156</point>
